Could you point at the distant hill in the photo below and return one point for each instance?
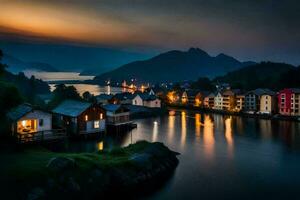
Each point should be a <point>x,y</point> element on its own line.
<point>262,75</point>
<point>16,65</point>
<point>175,66</point>
<point>90,60</point>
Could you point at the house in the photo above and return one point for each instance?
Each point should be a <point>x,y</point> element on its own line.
<point>226,100</point>
<point>268,102</point>
<point>288,102</point>
<point>104,98</point>
<point>80,118</point>
<point>209,100</point>
<point>30,125</point>
<point>240,102</point>
<point>117,115</point>
<point>122,98</point>
<point>147,100</point>
<point>189,97</point>
<point>252,100</point>
<point>218,101</point>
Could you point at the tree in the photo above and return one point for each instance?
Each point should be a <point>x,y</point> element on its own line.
<point>87,96</point>
<point>203,83</point>
<point>63,92</point>
<point>2,66</point>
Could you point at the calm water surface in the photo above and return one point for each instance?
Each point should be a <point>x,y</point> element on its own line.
<point>221,157</point>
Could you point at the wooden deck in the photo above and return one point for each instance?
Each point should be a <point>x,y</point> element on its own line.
<point>41,136</point>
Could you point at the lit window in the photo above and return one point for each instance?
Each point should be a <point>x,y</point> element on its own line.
<point>101,115</point>
<point>86,117</point>
<point>96,124</point>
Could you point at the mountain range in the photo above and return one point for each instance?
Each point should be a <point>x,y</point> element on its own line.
<point>174,66</point>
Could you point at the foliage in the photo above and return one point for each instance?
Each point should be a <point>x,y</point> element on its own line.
<point>63,92</point>
<point>87,96</point>
<point>262,75</point>
<point>203,83</point>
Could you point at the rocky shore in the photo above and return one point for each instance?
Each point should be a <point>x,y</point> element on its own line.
<point>121,171</point>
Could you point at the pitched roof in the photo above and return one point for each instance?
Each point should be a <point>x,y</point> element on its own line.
<point>114,107</point>
<point>104,96</point>
<point>295,90</point>
<point>19,111</point>
<point>261,91</point>
<point>71,108</point>
<point>147,96</point>
<point>124,96</point>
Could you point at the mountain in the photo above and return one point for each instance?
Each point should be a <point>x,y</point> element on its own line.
<point>174,66</point>
<point>16,65</point>
<point>70,57</point>
<point>262,75</point>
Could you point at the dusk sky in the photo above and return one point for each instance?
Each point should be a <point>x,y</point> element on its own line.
<point>246,29</point>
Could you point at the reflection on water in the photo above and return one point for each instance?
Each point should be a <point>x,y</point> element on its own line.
<point>183,128</point>
<point>245,157</point>
<point>208,136</point>
<point>57,76</point>
<point>94,89</point>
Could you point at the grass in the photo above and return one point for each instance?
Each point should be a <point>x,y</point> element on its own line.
<point>22,171</point>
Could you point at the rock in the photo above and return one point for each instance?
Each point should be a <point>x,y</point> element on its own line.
<point>142,160</point>
<point>61,163</point>
<point>72,185</point>
<point>36,193</point>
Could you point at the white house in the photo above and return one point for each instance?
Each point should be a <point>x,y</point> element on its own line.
<point>146,100</point>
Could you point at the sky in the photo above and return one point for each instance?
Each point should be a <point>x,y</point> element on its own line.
<point>246,29</point>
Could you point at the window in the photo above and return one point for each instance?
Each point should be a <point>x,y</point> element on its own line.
<point>86,117</point>
<point>96,124</point>
<point>101,115</point>
<point>41,122</point>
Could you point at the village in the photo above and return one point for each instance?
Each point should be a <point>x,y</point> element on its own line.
<point>74,118</point>
<point>259,102</point>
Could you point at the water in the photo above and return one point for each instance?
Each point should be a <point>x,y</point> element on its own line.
<point>221,157</point>
<point>71,76</point>
<point>57,76</point>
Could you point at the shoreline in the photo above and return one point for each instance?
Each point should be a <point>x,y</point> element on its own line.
<point>241,114</point>
<point>42,173</point>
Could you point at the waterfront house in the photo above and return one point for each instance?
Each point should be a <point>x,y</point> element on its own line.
<point>104,98</point>
<point>240,102</point>
<point>118,117</point>
<point>147,100</point>
<point>218,101</point>
<point>193,97</point>
<point>29,124</point>
<point>268,102</point>
<point>80,118</point>
<point>252,100</point>
<point>122,98</point>
<point>209,100</point>
<point>289,101</point>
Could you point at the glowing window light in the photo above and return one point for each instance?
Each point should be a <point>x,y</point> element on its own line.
<point>86,117</point>
<point>101,115</point>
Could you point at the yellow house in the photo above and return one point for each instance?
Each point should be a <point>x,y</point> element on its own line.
<point>268,102</point>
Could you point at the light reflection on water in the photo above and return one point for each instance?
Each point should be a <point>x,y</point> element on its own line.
<point>220,155</point>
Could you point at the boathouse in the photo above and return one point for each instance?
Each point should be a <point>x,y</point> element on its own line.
<point>29,124</point>
<point>80,118</point>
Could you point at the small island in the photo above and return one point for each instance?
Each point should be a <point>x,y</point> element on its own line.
<point>39,174</point>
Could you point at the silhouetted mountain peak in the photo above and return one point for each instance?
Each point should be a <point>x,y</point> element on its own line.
<point>197,51</point>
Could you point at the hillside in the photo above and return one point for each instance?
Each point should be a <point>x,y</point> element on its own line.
<point>262,75</point>
<point>16,65</point>
<point>174,66</point>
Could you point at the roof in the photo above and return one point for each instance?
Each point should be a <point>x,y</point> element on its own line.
<point>71,108</point>
<point>192,93</point>
<point>19,111</point>
<point>114,107</point>
<point>295,90</point>
<point>261,91</point>
<point>104,96</point>
<point>147,96</point>
<point>124,96</point>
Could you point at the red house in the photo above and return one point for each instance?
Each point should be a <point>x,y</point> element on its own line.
<point>288,101</point>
